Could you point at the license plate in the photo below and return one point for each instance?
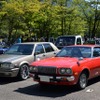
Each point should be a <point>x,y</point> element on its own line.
<point>45,78</point>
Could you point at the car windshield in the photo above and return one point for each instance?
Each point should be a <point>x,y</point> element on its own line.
<point>20,49</point>
<point>84,52</point>
<point>3,46</point>
<point>63,41</point>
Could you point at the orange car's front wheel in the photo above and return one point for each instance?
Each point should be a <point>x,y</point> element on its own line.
<point>82,82</point>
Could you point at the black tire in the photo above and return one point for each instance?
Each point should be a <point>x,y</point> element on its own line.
<point>23,72</point>
<point>82,82</point>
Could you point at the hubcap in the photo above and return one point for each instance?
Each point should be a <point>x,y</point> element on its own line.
<point>24,72</point>
<point>83,81</point>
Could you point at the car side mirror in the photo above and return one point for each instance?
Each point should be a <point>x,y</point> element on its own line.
<point>36,57</point>
<point>37,52</point>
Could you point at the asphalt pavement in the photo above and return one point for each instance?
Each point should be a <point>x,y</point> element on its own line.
<point>13,89</point>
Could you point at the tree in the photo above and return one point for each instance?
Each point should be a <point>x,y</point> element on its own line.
<point>12,12</point>
<point>91,12</point>
<point>69,16</point>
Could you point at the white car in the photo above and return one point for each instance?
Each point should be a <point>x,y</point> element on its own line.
<point>67,40</point>
<point>15,61</point>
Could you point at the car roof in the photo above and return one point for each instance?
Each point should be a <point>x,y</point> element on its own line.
<point>33,43</point>
<point>89,45</point>
<point>70,36</point>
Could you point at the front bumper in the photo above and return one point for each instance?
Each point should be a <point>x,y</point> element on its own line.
<point>59,80</point>
<point>9,73</point>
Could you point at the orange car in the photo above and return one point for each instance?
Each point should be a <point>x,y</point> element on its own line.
<point>72,65</point>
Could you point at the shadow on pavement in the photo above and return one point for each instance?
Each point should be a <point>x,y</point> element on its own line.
<point>6,80</point>
<point>93,81</point>
<point>51,91</point>
<point>47,91</point>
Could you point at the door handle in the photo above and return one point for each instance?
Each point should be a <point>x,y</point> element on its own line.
<point>54,52</point>
<point>43,54</point>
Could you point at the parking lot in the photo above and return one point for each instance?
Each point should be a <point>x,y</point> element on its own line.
<point>13,89</point>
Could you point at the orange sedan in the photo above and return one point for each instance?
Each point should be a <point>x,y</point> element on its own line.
<point>72,65</point>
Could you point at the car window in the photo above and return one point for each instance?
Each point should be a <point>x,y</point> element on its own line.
<point>78,41</point>
<point>84,52</point>
<point>39,49</point>
<point>13,49</point>
<point>48,48</point>
<point>64,52</point>
<point>63,41</point>
<point>21,49</point>
<point>96,52</point>
<point>97,42</point>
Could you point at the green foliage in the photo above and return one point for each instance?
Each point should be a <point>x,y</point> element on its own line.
<point>49,18</point>
<point>90,12</point>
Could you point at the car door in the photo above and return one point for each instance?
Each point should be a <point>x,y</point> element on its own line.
<point>96,62</point>
<point>50,52</point>
<point>39,52</point>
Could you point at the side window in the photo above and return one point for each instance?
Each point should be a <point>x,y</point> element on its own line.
<point>96,52</point>
<point>78,40</point>
<point>39,49</point>
<point>48,48</point>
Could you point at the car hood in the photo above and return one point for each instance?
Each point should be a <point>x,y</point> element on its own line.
<point>57,61</point>
<point>10,58</point>
<point>3,48</point>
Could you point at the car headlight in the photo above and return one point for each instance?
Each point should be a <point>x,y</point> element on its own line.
<point>33,69</point>
<point>7,65</point>
<point>65,71</point>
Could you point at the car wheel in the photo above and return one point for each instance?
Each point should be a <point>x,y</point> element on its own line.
<point>24,72</point>
<point>82,83</point>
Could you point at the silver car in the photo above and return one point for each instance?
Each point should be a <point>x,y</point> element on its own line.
<point>15,61</point>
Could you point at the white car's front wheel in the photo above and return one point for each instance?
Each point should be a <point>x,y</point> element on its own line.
<point>24,72</point>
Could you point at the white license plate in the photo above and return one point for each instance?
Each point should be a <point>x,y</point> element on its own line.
<point>45,78</point>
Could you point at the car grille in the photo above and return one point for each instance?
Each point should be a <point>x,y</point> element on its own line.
<point>46,70</point>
